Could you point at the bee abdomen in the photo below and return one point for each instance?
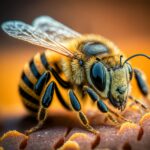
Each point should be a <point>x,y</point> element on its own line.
<point>31,73</point>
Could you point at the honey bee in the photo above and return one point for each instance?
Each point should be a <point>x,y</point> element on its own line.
<point>91,63</point>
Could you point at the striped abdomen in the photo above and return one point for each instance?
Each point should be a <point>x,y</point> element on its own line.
<point>31,73</point>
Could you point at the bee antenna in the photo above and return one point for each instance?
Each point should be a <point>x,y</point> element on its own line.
<point>121,56</point>
<point>144,55</point>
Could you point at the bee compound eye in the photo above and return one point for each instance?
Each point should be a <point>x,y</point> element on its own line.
<point>98,76</point>
<point>94,48</point>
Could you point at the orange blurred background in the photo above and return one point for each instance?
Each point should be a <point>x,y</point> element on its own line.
<point>124,22</point>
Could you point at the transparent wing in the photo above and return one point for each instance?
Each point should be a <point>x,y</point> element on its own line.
<point>55,30</point>
<point>23,31</point>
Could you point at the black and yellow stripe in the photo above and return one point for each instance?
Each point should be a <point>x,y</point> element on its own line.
<point>44,60</point>
<point>30,75</point>
<point>27,81</point>
<point>34,69</point>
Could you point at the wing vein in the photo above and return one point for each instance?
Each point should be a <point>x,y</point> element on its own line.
<point>23,31</point>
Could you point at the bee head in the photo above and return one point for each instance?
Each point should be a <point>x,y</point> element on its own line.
<point>119,85</point>
<point>113,82</point>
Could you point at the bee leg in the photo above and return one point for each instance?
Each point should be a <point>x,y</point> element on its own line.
<point>102,107</point>
<point>139,76</point>
<point>45,103</point>
<point>135,101</point>
<point>41,82</point>
<point>41,118</point>
<point>82,117</point>
<point>62,82</point>
<point>120,116</point>
<point>61,99</point>
<point>100,104</point>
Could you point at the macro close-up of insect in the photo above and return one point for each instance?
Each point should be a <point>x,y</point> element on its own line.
<point>92,65</point>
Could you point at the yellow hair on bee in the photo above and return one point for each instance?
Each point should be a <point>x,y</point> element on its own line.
<point>78,72</point>
<point>111,58</point>
<point>73,71</point>
<point>74,45</point>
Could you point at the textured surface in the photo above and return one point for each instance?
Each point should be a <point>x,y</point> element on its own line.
<point>62,130</point>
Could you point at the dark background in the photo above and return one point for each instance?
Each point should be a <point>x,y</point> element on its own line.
<point>123,21</point>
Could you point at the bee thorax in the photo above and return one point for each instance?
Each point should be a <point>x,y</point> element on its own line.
<point>74,71</point>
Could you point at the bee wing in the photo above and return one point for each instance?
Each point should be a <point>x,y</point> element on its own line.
<point>25,32</point>
<point>55,30</point>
